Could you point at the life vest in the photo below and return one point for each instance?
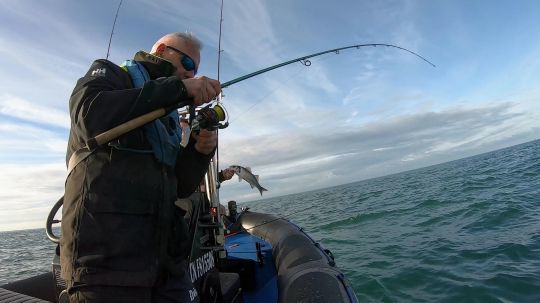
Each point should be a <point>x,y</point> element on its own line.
<point>164,134</point>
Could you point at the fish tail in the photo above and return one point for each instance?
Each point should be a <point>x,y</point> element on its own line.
<point>261,189</point>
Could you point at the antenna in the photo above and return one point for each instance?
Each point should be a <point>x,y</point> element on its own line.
<point>112,30</point>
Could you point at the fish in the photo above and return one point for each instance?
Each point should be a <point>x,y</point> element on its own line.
<point>245,173</point>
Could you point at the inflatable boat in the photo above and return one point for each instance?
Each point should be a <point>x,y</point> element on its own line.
<point>264,258</point>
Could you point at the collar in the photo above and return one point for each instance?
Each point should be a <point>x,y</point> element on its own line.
<point>157,67</point>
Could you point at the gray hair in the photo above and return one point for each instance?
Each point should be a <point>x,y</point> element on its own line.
<point>188,37</point>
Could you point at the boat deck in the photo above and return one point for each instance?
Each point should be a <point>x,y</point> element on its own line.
<point>244,246</point>
<point>8,296</point>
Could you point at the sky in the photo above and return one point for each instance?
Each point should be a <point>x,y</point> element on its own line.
<point>355,115</point>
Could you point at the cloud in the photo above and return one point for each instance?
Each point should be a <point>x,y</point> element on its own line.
<point>49,28</point>
<point>467,124</point>
<point>28,192</point>
<point>24,144</point>
<point>302,161</point>
<point>42,56</point>
<point>31,133</point>
<point>250,33</point>
<point>30,112</point>
<point>248,28</point>
<point>30,138</point>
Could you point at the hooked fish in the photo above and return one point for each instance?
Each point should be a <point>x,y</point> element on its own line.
<point>245,173</point>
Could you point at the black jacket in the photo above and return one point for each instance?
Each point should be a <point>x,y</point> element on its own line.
<point>119,223</point>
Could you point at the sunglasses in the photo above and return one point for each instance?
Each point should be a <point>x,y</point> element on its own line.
<point>186,60</point>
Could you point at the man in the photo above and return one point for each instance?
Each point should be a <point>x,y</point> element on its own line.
<point>122,238</point>
<point>187,204</point>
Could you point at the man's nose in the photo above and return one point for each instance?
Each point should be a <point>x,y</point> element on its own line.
<point>189,74</point>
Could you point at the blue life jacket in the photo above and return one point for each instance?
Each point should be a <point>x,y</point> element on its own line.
<point>164,134</point>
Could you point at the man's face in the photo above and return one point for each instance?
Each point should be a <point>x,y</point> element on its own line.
<point>176,52</point>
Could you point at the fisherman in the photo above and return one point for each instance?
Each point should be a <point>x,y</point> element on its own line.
<point>230,221</point>
<point>233,212</point>
<point>123,240</point>
<point>187,204</point>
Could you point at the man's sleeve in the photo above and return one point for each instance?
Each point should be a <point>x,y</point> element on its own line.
<point>105,98</point>
<point>191,166</point>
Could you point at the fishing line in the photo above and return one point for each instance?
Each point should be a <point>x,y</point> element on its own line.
<point>284,83</point>
<point>270,92</point>
<point>306,63</point>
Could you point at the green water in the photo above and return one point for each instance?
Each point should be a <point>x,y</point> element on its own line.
<point>463,231</point>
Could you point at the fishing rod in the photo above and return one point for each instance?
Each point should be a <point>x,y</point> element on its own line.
<point>217,113</point>
<point>112,30</point>
<point>306,62</point>
<point>214,116</point>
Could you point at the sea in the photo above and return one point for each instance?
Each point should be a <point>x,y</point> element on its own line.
<point>461,231</point>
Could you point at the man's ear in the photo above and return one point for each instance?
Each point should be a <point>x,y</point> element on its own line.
<point>160,49</point>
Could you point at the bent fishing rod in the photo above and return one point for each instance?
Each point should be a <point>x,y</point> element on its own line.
<point>148,117</point>
<point>304,60</point>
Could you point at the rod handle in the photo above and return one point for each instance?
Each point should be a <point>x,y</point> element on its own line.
<point>125,127</point>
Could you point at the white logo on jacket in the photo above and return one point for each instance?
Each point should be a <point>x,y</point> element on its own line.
<point>99,72</point>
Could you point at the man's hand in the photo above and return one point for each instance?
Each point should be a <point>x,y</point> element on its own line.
<point>206,141</point>
<point>202,89</point>
<point>227,174</point>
